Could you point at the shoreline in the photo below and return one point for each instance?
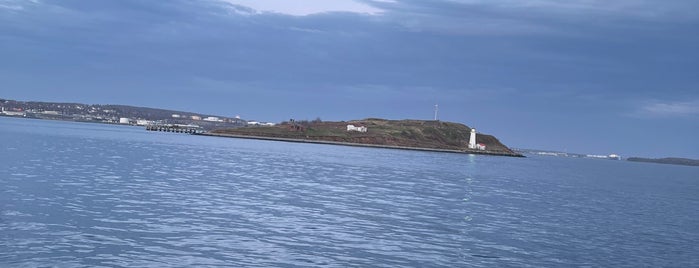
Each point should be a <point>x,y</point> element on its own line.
<point>251,137</point>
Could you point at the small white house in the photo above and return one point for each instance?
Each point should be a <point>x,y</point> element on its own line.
<point>359,129</point>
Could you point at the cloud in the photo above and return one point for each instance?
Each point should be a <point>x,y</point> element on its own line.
<point>307,7</point>
<point>516,17</point>
<point>639,8</point>
<point>10,7</point>
<point>663,109</point>
<point>16,5</point>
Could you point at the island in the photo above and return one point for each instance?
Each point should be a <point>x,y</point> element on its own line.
<point>424,135</point>
<point>667,160</point>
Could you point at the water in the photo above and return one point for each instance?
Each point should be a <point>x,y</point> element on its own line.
<point>87,195</point>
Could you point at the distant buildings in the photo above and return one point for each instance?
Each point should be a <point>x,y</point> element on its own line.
<point>138,122</point>
<point>552,153</point>
<point>111,114</point>
<point>574,155</point>
<point>358,129</point>
<point>611,156</point>
<point>213,119</point>
<point>12,113</point>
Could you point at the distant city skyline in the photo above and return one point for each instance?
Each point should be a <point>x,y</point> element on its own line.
<point>590,77</point>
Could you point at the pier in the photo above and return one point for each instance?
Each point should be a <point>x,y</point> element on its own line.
<point>176,128</point>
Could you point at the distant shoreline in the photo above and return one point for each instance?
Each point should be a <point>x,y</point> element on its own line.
<point>295,140</point>
<point>356,144</point>
<point>666,161</point>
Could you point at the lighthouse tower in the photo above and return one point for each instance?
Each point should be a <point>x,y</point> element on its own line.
<point>472,140</point>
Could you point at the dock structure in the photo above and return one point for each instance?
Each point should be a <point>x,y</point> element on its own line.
<point>176,128</point>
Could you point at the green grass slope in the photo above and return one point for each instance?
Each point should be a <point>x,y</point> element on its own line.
<point>407,133</point>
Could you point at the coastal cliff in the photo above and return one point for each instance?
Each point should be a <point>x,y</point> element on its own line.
<point>401,134</point>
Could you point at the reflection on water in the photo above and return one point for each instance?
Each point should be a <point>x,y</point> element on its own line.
<point>91,195</point>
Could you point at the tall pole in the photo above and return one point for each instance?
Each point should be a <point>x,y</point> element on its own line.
<point>436,109</point>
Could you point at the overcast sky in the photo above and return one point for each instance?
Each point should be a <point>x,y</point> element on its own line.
<point>587,76</point>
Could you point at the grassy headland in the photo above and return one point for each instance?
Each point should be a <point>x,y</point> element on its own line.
<point>405,134</point>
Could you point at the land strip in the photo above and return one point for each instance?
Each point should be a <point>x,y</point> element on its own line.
<point>465,151</point>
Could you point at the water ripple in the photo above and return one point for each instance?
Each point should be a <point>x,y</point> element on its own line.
<point>110,196</point>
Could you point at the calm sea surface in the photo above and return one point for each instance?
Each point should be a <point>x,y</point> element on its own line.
<point>88,195</point>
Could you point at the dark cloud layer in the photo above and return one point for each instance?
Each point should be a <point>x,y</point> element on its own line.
<point>501,66</point>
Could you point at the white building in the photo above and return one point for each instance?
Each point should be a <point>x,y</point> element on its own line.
<point>253,123</point>
<point>611,156</point>
<point>124,120</point>
<point>142,122</point>
<point>472,140</point>
<point>359,129</point>
<point>213,119</point>
<point>11,113</point>
<point>196,117</point>
<point>176,116</point>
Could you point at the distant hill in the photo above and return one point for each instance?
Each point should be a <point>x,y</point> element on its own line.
<point>394,133</point>
<point>667,160</point>
<point>100,109</point>
<point>99,113</point>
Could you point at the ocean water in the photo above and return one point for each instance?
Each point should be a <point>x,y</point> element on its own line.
<point>89,195</point>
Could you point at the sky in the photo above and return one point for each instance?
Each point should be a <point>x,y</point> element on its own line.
<point>583,76</point>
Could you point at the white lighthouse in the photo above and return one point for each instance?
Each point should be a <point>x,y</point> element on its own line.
<point>472,140</point>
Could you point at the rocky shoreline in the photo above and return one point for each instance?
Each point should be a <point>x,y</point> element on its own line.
<point>465,151</point>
